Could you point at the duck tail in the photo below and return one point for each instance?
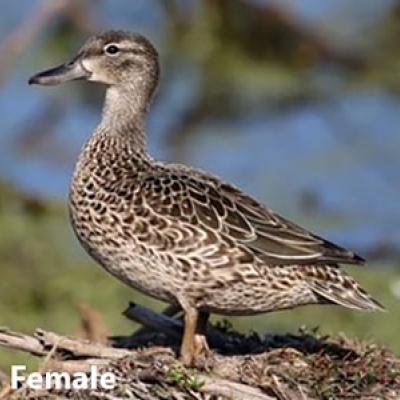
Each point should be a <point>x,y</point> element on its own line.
<point>333,285</point>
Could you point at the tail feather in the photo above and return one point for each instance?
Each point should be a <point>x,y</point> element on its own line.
<point>339,288</point>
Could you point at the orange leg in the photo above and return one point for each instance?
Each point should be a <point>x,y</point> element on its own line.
<point>188,340</point>
<point>200,339</point>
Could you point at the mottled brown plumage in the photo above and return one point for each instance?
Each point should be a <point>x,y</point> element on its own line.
<point>176,233</point>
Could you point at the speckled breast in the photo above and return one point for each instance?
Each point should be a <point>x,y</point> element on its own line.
<point>109,222</point>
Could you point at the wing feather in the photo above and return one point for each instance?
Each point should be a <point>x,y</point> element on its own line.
<point>206,202</point>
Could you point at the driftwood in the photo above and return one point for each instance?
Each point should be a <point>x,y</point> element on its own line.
<point>74,355</point>
<point>289,367</point>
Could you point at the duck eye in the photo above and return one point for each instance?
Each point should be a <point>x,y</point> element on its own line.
<point>111,49</point>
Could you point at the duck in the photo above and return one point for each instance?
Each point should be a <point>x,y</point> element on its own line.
<point>177,233</point>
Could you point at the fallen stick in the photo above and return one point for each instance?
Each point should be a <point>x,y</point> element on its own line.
<point>79,347</point>
<point>163,323</point>
<point>19,341</point>
<point>231,390</point>
<point>152,320</point>
<point>81,356</point>
<point>283,372</point>
<point>42,342</point>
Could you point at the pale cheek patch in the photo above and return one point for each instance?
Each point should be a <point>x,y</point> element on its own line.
<point>96,75</point>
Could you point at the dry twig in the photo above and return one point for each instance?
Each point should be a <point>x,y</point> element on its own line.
<point>288,367</point>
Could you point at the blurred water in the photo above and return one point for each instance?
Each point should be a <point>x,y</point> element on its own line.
<point>342,21</point>
<point>344,152</point>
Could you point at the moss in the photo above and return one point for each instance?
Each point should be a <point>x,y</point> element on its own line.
<point>183,377</point>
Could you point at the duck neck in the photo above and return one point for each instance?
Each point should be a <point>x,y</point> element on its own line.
<point>124,115</point>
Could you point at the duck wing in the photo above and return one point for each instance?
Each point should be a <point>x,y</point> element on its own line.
<point>220,210</point>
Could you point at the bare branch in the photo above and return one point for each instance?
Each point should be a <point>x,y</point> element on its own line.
<point>79,347</point>
<point>42,342</point>
<point>151,319</point>
<point>232,390</point>
<point>19,341</point>
<point>279,371</point>
<point>163,323</point>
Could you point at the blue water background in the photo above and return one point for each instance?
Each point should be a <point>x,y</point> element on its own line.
<point>344,150</point>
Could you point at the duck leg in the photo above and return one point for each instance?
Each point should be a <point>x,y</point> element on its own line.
<point>194,341</point>
<point>200,339</point>
<point>191,316</point>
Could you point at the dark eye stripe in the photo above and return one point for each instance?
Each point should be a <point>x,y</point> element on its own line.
<point>134,50</point>
<point>138,51</point>
<point>131,50</point>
